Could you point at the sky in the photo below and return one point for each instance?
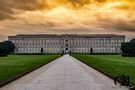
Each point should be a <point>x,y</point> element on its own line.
<point>67,17</point>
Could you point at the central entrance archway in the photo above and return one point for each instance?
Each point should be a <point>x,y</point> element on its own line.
<point>66,50</point>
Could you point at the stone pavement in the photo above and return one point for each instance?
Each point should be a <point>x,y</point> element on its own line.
<point>65,73</point>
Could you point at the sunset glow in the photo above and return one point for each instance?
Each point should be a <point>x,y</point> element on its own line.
<point>67,16</point>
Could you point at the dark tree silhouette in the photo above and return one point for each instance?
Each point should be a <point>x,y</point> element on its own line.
<point>128,48</point>
<point>6,47</point>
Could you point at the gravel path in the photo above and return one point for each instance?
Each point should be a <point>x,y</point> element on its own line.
<point>65,73</point>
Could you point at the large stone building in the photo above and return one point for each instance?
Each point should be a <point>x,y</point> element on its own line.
<point>68,43</point>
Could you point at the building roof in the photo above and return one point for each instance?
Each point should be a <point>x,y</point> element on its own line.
<point>64,35</point>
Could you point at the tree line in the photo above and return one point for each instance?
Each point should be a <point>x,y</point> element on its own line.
<point>128,48</point>
<point>6,47</point>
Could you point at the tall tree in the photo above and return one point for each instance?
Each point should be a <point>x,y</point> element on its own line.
<point>128,48</point>
<point>6,48</point>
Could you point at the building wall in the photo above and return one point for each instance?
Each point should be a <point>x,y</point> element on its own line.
<point>75,43</point>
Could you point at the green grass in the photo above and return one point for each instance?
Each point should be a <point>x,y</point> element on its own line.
<point>17,65</point>
<point>112,65</point>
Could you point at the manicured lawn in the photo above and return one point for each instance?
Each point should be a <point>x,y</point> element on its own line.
<point>112,65</point>
<point>16,65</point>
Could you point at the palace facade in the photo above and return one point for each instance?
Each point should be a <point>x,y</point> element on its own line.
<point>68,43</point>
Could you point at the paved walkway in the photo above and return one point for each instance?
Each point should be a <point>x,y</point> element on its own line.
<point>65,73</point>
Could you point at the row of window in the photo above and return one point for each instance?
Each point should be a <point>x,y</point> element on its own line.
<point>69,44</point>
<point>78,50</point>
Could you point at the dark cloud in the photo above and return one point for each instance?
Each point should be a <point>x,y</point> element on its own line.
<point>118,25</point>
<point>27,4</point>
<point>7,6</point>
<point>79,3</point>
<point>125,26</point>
<point>100,0</point>
<point>4,16</point>
<point>5,11</point>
